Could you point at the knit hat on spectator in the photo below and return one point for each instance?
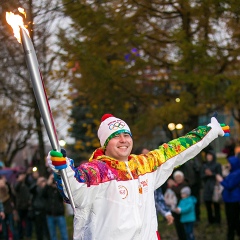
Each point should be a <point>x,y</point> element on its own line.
<point>178,173</point>
<point>110,127</point>
<point>186,190</point>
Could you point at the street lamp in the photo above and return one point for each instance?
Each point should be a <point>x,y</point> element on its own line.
<point>179,126</point>
<point>171,126</point>
<point>174,128</point>
<point>62,143</point>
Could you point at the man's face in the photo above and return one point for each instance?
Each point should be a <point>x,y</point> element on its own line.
<point>120,147</point>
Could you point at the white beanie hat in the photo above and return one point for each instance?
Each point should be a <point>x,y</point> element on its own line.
<point>111,126</point>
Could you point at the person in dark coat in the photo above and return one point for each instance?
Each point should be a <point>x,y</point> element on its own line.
<point>23,202</point>
<point>54,210</point>
<point>11,216</point>
<point>38,207</point>
<point>231,196</point>
<point>208,174</point>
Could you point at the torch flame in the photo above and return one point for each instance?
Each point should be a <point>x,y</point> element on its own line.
<point>16,21</point>
<point>21,10</point>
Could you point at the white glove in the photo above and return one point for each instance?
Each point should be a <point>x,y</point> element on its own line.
<point>216,126</point>
<point>61,161</point>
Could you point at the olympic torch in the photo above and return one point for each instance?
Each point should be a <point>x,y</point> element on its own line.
<point>39,91</point>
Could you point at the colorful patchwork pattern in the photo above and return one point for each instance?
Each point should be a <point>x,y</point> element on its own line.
<point>59,184</point>
<point>101,168</point>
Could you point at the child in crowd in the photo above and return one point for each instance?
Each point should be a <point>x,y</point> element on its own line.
<point>186,209</point>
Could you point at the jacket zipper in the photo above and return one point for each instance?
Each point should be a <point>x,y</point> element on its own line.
<point>136,211</point>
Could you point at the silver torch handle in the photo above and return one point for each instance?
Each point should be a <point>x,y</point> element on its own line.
<point>42,101</point>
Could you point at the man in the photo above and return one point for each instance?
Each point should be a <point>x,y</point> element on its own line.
<point>54,210</point>
<point>209,171</point>
<point>39,209</point>
<point>23,203</point>
<point>231,194</point>
<point>114,192</point>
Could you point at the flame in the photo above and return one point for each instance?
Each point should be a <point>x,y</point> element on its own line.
<point>16,21</point>
<point>21,10</point>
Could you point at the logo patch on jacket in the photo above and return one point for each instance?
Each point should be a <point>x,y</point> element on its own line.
<point>123,191</point>
<point>144,186</point>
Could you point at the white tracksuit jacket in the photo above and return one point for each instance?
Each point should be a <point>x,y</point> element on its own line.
<point>115,200</point>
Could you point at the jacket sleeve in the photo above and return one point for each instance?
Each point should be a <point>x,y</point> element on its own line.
<point>160,203</point>
<point>178,151</point>
<point>185,206</point>
<point>85,182</point>
<point>232,181</point>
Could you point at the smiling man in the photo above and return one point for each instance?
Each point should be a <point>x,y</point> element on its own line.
<point>115,137</point>
<point>114,191</point>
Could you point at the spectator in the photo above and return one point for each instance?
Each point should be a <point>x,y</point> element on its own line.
<point>23,203</point>
<point>208,173</point>
<point>177,184</point>
<point>192,174</point>
<point>170,198</point>
<point>161,206</point>
<point>32,176</point>
<point>11,216</point>
<point>186,209</point>
<point>54,210</point>
<point>38,207</point>
<point>229,147</point>
<point>231,195</point>
<point>2,216</point>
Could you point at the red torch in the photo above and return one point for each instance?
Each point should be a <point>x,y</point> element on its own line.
<point>21,33</point>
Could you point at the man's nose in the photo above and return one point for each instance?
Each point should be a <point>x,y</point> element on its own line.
<point>122,138</point>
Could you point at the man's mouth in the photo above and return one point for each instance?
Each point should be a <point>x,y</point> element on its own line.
<point>123,147</point>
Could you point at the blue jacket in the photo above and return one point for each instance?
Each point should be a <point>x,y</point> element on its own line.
<point>187,206</point>
<point>231,184</point>
<point>160,202</point>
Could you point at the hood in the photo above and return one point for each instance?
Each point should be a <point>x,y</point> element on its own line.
<point>213,154</point>
<point>234,162</point>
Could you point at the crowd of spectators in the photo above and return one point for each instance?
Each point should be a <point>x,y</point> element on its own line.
<point>30,207</point>
<point>212,184</point>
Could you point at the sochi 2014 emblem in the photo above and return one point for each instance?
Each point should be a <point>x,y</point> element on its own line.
<point>123,191</point>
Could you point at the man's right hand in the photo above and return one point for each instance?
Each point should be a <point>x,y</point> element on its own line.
<point>56,160</point>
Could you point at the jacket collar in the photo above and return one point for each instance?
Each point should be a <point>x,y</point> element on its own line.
<point>98,154</point>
